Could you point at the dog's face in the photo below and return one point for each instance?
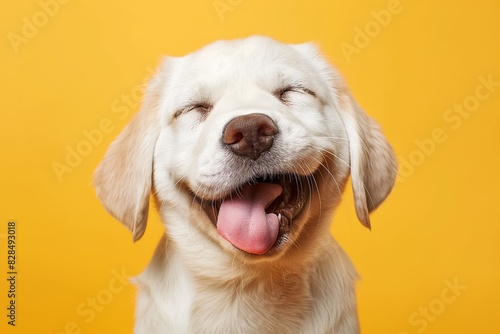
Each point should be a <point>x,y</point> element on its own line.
<point>251,141</point>
<point>246,125</point>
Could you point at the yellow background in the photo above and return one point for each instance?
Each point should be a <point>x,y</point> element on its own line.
<point>79,70</point>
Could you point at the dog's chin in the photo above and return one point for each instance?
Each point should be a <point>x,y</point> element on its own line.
<point>288,207</point>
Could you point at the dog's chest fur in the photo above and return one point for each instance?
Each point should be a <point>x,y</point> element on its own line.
<point>297,300</point>
<point>258,305</point>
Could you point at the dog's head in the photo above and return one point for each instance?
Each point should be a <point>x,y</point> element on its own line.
<point>252,141</point>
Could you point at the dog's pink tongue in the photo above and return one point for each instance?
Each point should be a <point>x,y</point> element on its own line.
<point>243,220</point>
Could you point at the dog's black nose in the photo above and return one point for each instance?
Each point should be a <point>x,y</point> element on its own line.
<point>250,135</point>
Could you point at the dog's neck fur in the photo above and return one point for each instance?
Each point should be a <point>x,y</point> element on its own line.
<point>290,291</point>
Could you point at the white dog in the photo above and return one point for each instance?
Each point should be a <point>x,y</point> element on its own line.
<point>246,146</point>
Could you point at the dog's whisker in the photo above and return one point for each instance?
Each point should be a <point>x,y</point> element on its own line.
<point>332,138</point>
<point>324,151</point>
<point>327,169</point>
<point>312,181</point>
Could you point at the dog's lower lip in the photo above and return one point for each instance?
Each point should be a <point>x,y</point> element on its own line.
<point>287,206</point>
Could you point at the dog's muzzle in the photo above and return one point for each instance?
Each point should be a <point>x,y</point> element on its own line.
<point>258,215</point>
<point>250,135</point>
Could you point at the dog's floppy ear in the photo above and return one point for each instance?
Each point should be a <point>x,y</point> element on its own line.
<point>123,179</point>
<point>372,160</point>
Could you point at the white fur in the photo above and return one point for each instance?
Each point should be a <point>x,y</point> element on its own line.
<point>197,282</point>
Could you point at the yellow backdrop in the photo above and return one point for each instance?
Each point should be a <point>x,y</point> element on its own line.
<point>71,76</point>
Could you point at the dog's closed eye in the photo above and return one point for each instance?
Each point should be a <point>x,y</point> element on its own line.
<point>284,94</point>
<point>203,108</point>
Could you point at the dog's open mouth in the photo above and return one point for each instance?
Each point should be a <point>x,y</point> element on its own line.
<point>259,215</point>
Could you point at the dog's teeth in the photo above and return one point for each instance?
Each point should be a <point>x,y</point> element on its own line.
<point>279,217</point>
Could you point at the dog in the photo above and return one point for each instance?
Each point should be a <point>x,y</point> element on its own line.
<point>246,146</point>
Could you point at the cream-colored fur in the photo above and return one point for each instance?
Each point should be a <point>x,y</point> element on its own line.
<point>197,281</point>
